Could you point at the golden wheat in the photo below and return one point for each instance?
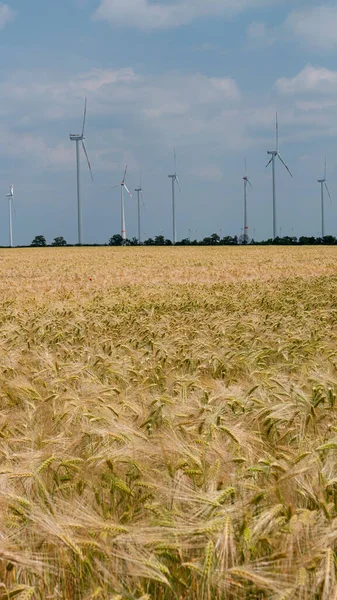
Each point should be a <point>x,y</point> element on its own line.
<point>168,423</point>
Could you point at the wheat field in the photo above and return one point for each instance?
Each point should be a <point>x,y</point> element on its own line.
<point>168,423</point>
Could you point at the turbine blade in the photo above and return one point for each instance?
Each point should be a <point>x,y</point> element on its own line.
<point>88,161</point>
<point>249,182</point>
<point>271,160</point>
<point>325,169</point>
<point>84,116</point>
<point>327,189</point>
<point>142,197</point>
<point>282,161</point>
<point>115,186</point>
<point>128,191</point>
<point>175,160</point>
<point>277,135</point>
<point>125,172</point>
<point>178,184</point>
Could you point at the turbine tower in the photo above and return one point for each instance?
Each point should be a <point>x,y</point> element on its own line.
<point>139,191</point>
<point>323,183</point>
<point>245,222</point>
<point>122,185</point>
<point>10,197</point>
<point>275,154</point>
<point>175,180</point>
<point>76,137</point>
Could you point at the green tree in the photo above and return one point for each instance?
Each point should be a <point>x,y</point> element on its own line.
<point>215,238</point>
<point>116,240</point>
<point>329,239</point>
<point>59,241</point>
<point>159,240</point>
<point>227,240</point>
<point>39,241</point>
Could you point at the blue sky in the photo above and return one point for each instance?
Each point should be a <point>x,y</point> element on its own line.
<point>203,76</point>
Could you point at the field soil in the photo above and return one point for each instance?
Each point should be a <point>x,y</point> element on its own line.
<point>168,423</point>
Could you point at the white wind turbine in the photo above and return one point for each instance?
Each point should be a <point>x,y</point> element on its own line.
<point>175,180</point>
<point>10,197</point>
<point>123,186</point>
<point>139,191</point>
<point>245,221</point>
<point>323,183</point>
<point>274,154</point>
<point>79,137</point>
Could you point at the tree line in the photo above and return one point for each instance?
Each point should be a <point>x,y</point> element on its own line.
<point>212,240</point>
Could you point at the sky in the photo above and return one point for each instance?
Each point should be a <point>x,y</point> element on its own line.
<point>205,77</point>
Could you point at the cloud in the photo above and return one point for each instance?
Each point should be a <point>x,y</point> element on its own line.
<point>6,15</point>
<point>147,14</point>
<point>311,79</point>
<point>316,26</point>
<point>39,151</point>
<point>309,102</point>
<point>167,108</point>
<point>207,173</point>
<point>133,113</point>
<point>259,35</point>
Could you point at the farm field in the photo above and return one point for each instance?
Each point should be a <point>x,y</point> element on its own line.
<point>168,423</point>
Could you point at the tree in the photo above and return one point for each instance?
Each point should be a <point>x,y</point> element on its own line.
<point>215,238</point>
<point>309,241</point>
<point>329,239</point>
<point>159,240</point>
<point>59,241</point>
<point>116,240</point>
<point>227,240</point>
<point>39,241</point>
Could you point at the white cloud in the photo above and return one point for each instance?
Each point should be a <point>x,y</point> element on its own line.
<point>259,35</point>
<point>316,104</point>
<point>40,151</point>
<point>316,26</point>
<point>6,15</point>
<point>310,79</point>
<point>207,173</point>
<point>147,14</point>
<point>129,112</point>
<point>172,105</point>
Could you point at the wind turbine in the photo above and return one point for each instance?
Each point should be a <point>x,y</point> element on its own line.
<point>139,191</point>
<point>76,137</point>
<point>275,154</point>
<point>10,197</point>
<point>245,222</point>
<point>122,185</point>
<point>175,180</point>
<point>323,183</point>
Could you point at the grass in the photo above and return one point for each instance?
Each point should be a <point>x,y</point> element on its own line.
<point>168,423</point>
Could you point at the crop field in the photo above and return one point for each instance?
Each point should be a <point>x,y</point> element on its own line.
<point>168,423</point>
